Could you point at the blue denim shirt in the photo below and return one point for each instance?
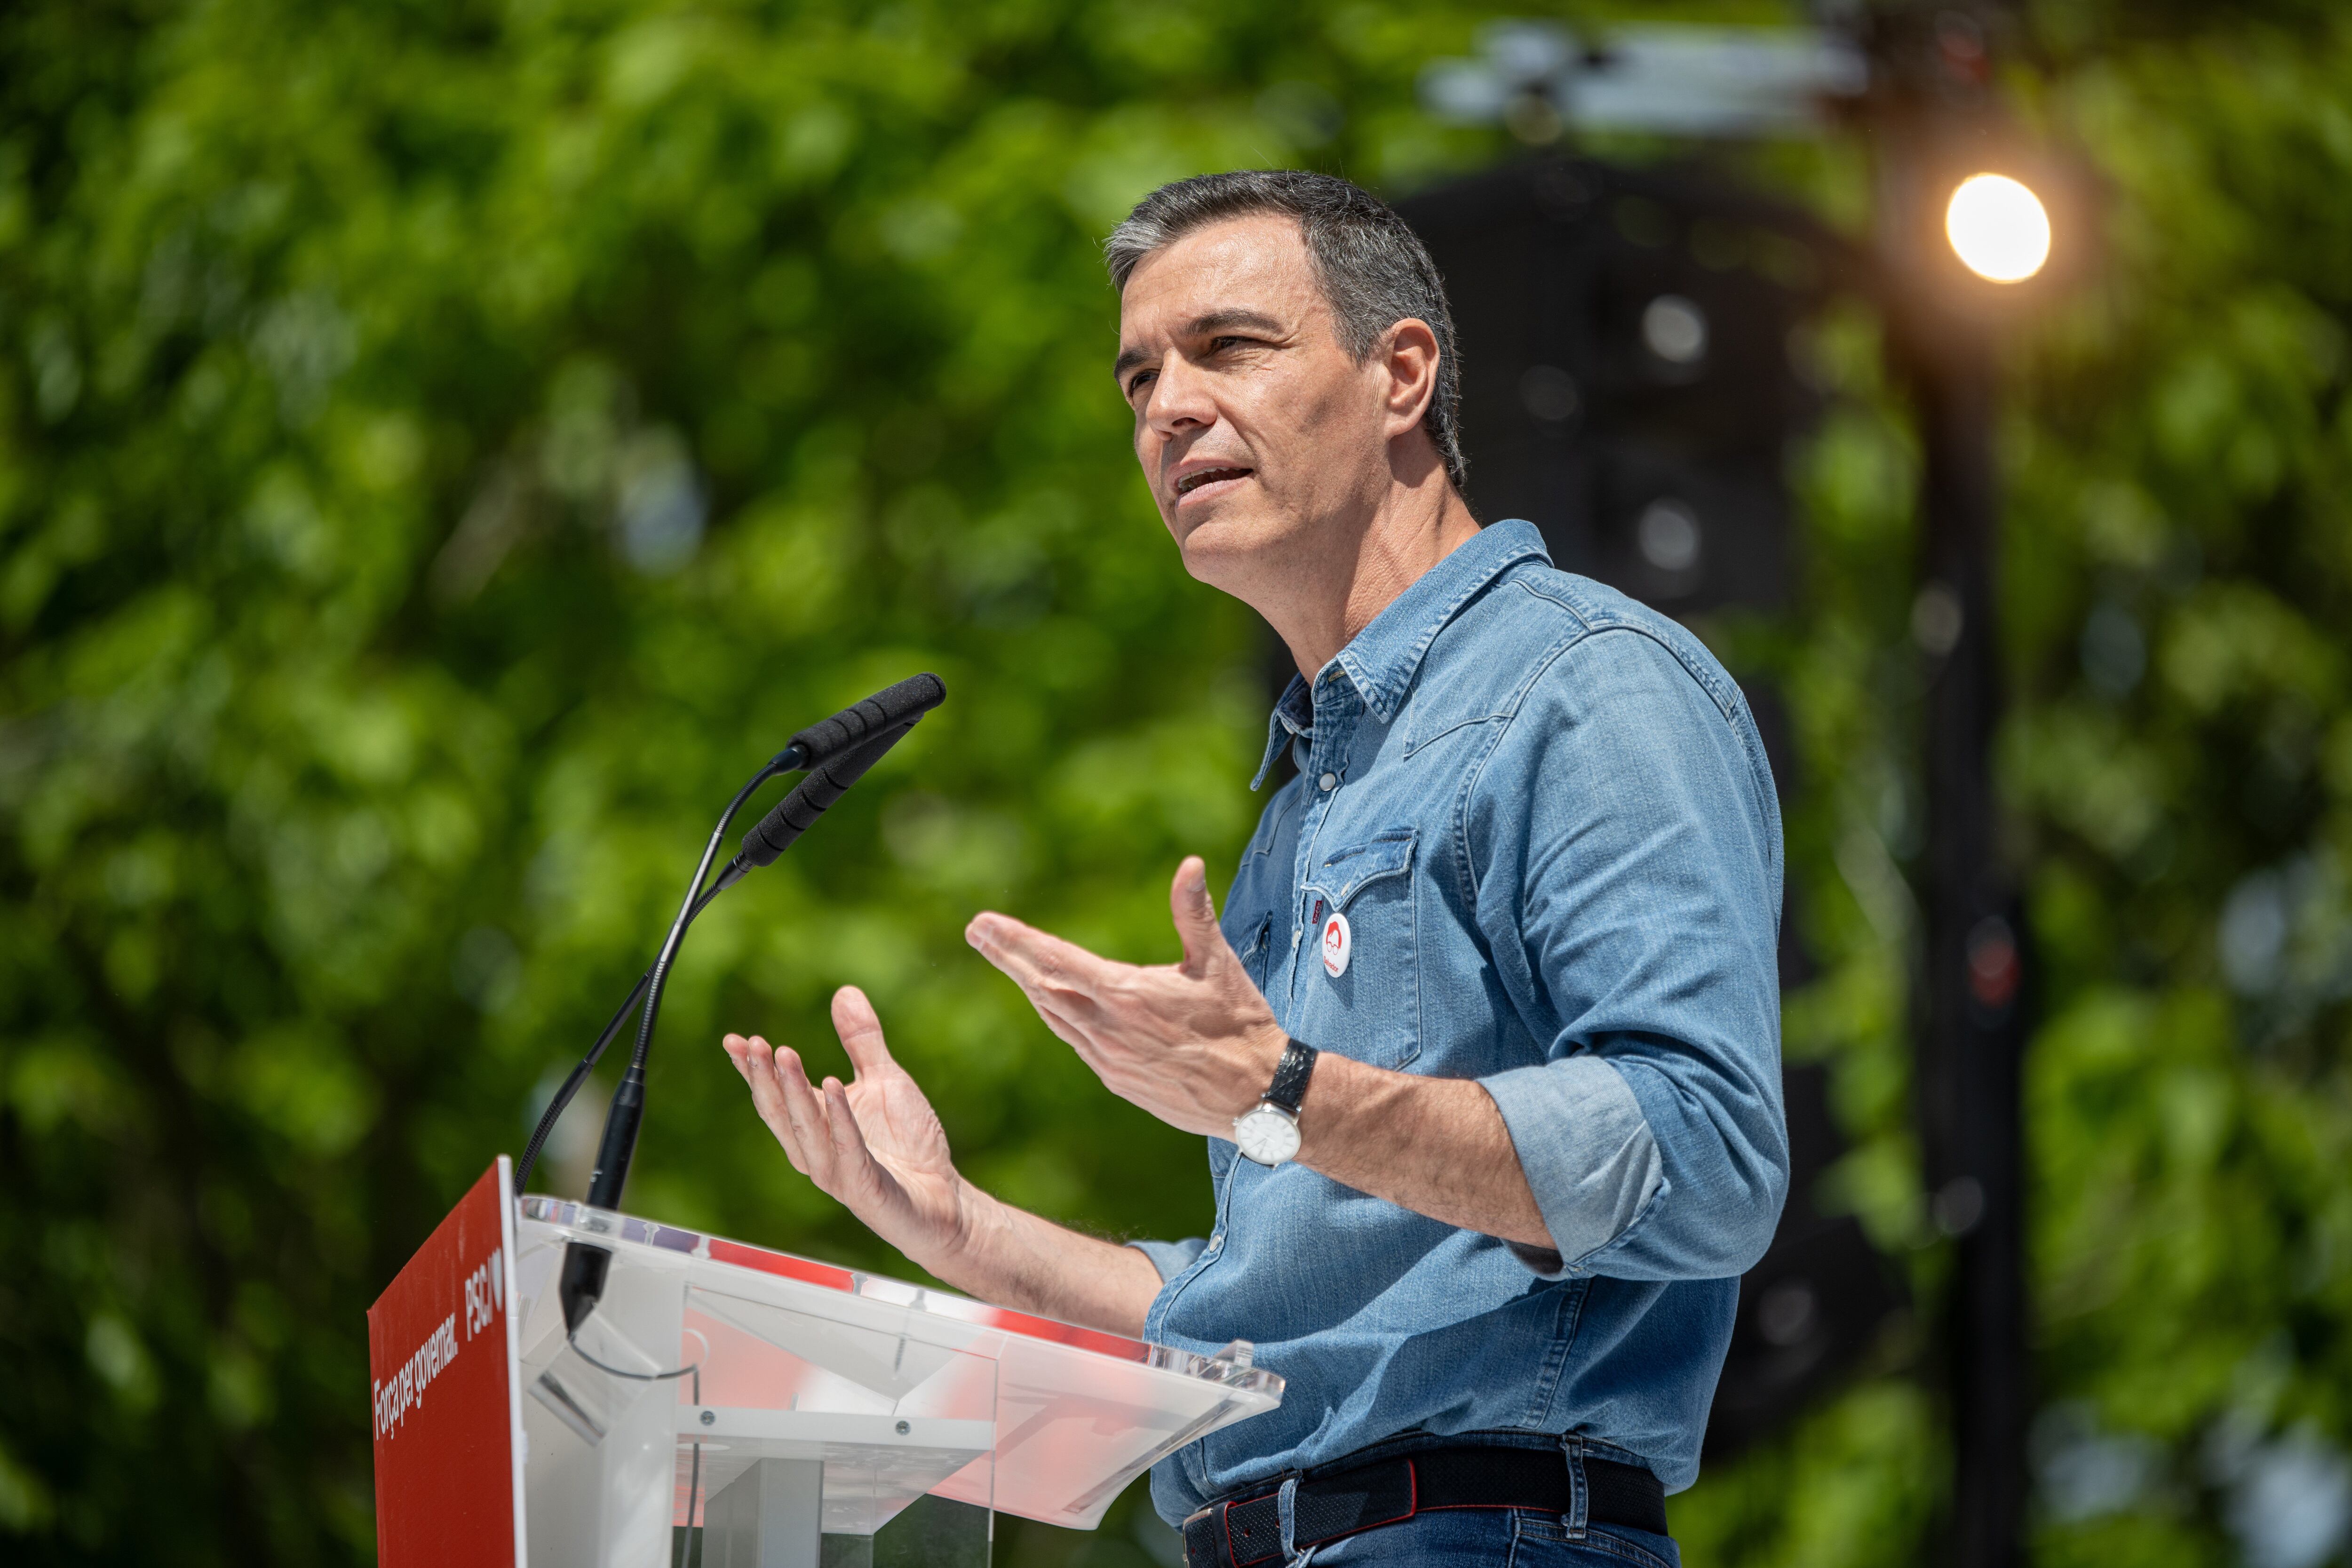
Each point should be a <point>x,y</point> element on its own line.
<point>1544,812</point>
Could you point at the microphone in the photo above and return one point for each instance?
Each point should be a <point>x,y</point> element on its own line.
<point>838,753</point>
<point>811,798</point>
<point>892,708</point>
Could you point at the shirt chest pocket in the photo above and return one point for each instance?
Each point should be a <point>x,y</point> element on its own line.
<point>1359,987</point>
<point>1256,949</point>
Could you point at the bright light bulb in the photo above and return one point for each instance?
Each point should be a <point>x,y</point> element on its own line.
<point>1999,228</point>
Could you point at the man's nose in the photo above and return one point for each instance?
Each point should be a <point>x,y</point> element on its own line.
<point>1178,399</point>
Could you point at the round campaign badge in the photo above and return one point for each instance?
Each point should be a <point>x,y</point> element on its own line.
<point>1337,942</point>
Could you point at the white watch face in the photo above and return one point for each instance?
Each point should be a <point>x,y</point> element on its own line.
<point>1268,1134</point>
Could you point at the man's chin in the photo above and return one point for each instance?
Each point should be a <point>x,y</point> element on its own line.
<point>1229,547</point>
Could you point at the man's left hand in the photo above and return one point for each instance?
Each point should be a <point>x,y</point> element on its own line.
<point>1193,1043</point>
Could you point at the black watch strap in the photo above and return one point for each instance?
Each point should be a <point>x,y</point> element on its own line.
<point>1289,1084</point>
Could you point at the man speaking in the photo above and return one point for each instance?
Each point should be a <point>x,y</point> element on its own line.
<point>1486,1045</point>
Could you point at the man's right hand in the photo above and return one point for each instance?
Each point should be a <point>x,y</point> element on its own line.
<point>874,1144</point>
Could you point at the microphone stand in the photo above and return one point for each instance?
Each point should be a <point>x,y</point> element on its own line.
<point>783,761</point>
<point>838,753</point>
<point>584,1267</point>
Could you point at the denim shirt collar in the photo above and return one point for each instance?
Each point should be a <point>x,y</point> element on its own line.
<point>1381,659</point>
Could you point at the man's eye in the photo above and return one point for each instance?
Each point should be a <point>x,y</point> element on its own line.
<point>1142,380</point>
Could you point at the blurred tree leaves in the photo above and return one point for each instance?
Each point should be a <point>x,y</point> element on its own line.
<point>445,447</point>
<point>2182,574</point>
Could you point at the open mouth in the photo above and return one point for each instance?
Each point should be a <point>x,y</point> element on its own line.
<point>1191,482</point>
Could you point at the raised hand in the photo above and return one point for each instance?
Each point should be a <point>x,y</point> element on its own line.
<point>1193,1043</point>
<point>874,1144</point>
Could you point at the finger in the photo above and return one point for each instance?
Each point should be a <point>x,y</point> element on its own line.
<point>1070,1014</point>
<point>740,1049</point>
<point>1067,1029</point>
<point>768,1098</point>
<point>741,1052</point>
<point>860,1028</point>
<point>852,1159</point>
<point>1112,1069</point>
<point>1195,914</point>
<point>804,1112</point>
<point>751,1059</point>
<point>1062,1008</point>
<point>1034,959</point>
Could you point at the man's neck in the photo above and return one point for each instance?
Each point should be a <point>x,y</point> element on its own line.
<point>1360,572</point>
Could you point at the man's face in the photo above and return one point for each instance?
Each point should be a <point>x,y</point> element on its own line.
<point>1253,423</point>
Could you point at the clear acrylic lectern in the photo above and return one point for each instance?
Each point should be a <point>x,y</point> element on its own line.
<point>827,1417</point>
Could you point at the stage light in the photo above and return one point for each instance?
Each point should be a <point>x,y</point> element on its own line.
<point>1999,229</point>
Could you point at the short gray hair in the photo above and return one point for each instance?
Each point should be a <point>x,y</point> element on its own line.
<point>1373,269</point>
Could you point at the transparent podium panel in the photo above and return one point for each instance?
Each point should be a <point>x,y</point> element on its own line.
<point>731,1405</point>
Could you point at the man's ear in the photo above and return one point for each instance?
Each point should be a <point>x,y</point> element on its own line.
<point>1408,353</point>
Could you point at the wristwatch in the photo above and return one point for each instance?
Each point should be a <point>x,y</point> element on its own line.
<point>1268,1131</point>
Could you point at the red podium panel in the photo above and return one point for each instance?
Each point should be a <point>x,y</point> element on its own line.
<point>448,1407</point>
<point>717,1379</point>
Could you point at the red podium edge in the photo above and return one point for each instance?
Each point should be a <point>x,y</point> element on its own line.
<point>437,1498</point>
<point>518,1447</point>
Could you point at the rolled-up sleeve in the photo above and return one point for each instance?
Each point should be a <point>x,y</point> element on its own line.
<point>1591,1183</point>
<point>1629,863</point>
<point>1172,1258</point>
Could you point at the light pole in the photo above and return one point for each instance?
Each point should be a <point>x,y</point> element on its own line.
<point>1963,241</point>
<point>1970,1026</point>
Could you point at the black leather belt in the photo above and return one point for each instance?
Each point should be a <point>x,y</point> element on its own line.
<point>1390,1491</point>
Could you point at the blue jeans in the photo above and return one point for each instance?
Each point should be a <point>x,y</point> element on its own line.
<point>1498,1538</point>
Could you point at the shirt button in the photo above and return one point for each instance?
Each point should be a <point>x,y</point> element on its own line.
<point>1330,781</point>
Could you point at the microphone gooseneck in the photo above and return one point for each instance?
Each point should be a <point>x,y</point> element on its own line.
<point>783,761</point>
<point>893,706</point>
<point>836,754</point>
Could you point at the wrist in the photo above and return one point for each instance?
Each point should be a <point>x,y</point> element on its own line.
<point>1332,1114</point>
<point>952,1245</point>
<point>1260,1058</point>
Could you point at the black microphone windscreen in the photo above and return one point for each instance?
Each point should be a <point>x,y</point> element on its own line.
<point>892,708</point>
<point>813,795</point>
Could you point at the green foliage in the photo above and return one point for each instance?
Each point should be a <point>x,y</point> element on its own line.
<point>2184,450</point>
<point>444,448</point>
